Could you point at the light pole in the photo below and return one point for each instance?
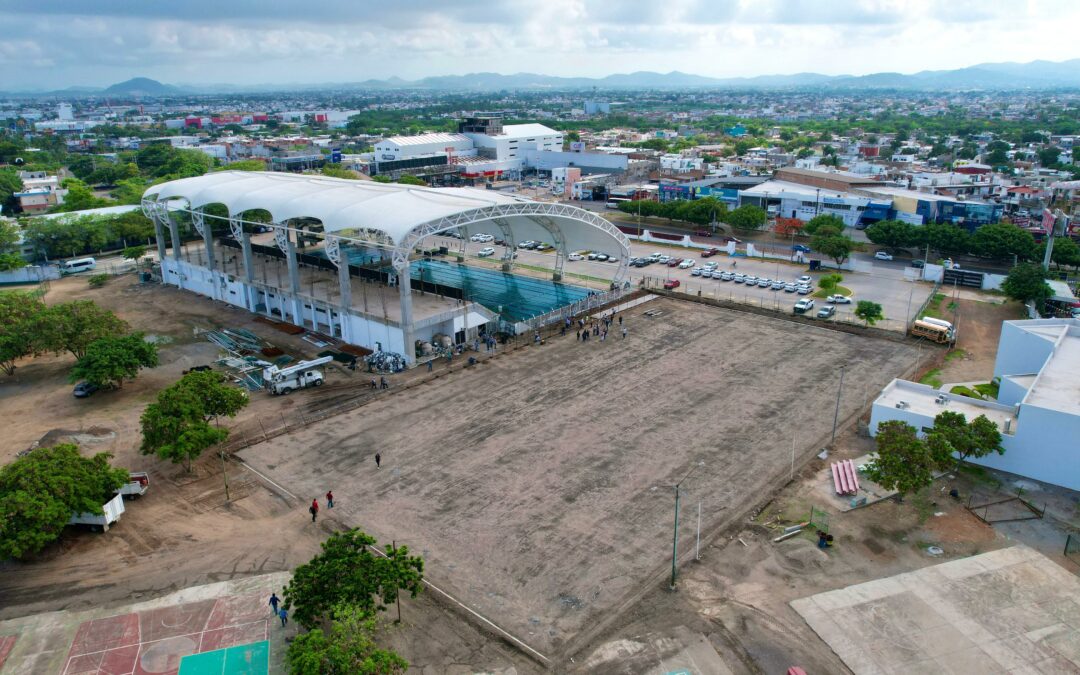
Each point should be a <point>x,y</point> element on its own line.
<point>675,537</point>
<point>836,414</point>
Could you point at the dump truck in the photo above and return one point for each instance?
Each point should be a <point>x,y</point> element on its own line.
<point>300,375</point>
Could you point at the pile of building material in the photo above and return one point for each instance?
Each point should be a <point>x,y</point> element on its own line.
<point>845,477</point>
<point>385,362</point>
<point>236,340</point>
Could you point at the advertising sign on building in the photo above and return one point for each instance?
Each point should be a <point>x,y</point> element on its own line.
<point>1048,219</point>
<point>577,146</point>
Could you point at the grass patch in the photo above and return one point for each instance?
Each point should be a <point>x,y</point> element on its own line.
<point>924,507</point>
<point>934,306</point>
<point>955,354</point>
<point>951,306</point>
<point>932,378</point>
<point>835,290</point>
<point>988,390</point>
<point>964,391</point>
<point>980,475</point>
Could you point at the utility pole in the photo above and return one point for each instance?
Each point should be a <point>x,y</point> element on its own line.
<point>675,536</point>
<point>836,414</point>
<point>225,475</point>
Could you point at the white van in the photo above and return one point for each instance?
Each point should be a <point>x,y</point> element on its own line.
<point>78,265</point>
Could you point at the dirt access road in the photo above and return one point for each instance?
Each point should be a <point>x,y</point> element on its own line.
<point>538,487</point>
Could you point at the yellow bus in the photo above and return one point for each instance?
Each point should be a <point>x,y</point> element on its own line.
<point>933,332</point>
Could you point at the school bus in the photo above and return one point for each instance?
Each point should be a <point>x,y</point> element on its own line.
<point>933,332</point>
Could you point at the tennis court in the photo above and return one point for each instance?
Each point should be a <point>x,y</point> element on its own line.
<point>252,659</point>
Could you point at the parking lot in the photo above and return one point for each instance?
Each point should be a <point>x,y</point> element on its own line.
<point>538,485</point>
<point>887,284</point>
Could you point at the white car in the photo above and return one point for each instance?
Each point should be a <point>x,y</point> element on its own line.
<point>764,283</point>
<point>726,276</point>
<point>663,259</point>
<point>778,285</point>
<point>882,255</point>
<point>804,305</point>
<point>696,272</point>
<point>750,280</point>
<point>804,280</point>
<point>687,264</point>
<point>574,257</point>
<point>709,266</point>
<point>602,257</point>
<point>839,299</point>
<point>482,237</point>
<point>803,290</point>
<point>486,251</point>
<point>738,278</point>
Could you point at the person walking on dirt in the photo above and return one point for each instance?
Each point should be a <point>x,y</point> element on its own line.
<point>374,385</point>
<point>378,460</point>
<point>314,509</point>
<point>284,616</point>
<point>624,332</point>
<point>429,365</point>
<point>329,499</point>
<point>383,383</point>
<point>274,600</point>
<point>620,319</point>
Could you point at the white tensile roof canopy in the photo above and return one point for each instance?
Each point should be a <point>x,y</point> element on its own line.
<point>404,214</point>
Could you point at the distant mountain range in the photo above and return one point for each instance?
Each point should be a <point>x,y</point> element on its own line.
<point>994,76</point>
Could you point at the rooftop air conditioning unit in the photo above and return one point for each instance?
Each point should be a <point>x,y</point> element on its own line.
<point>942,399</point>
<point>902,405</point>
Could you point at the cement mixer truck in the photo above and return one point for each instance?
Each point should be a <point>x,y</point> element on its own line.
<point>297,376</point>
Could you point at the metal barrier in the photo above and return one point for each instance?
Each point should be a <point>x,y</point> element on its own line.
<point>586,304</point>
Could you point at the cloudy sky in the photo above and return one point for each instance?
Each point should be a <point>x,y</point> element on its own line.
<point>60,43</point>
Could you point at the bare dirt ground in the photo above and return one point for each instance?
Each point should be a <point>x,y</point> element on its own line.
<point>184,532</point>
<point>979,329</point>
<point>538,487</point>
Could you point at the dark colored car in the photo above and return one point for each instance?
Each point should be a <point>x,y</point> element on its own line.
<point>710,252</point>
<point>674,262</point>
<point>84,389</point>
<point>801,247</point>
<point>702,233</point>
<point>671,284</point>
<point>734,239</point>
<point>918,264</point>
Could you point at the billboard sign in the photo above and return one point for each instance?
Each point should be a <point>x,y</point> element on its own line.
<point>577,146</point>
<point>1047,223</point>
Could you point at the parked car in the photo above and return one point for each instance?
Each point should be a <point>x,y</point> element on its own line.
<point>674,262</point>
<point>738,277</point>
<point>805,279</point>
<point>826,312</point>
<point>801,247</point>
<point>663,259</point>
<point>482,237</point>
<point>84,389</point>
<point>709,266</point>
<point>544,247</point>
<point>737,241</point>
<point>603,257</point>
<point>687,264</point>
<point>260,229</point>
<point>882,255</point>
<point>803,290</point>
<point>671,284</point>
<point>778,285</point>
<point>486,251</point>
<point>574,257</point>
<point>918,264</point>
<point>764,283</point>
<point>702,233</point>
<point>790,288</point>
<point>804,305</point>
<point>528,244</point>
<point>839,299</point>
<point>696,272</point>
<point>750,280</point>
<point>726,276</point>
<point>708,253</point>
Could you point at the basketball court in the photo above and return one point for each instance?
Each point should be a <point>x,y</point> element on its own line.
<point>225,628</point>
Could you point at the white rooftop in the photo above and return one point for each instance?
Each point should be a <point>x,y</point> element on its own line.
<point>921,399</point>
<point>1057,386</point>
<point>527,130</point>
<point>423,139</point>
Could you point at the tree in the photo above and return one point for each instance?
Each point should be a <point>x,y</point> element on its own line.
<point>952,440</point>
<point>893,234</point>
<point>903,461</point>
<point>407,179</point>
<point>40,491</point>
<point>72,326</point>
<point>335,171</point>
<point>946,238</point>
<point>10,234</point>
<point>109,360</point>
<point>869,311</point>
<point>176,427</point>
<point>79,197</point>
<point>1066,252</point>
<point>1048,157</point>
<point>11,261</point>
<point>829,282</point>
<point>747,217</point>
<point>1027,283</point>
<point>18,316</point>
<point>1002,241</point>
<point>348,572</point>
<point>10,183</point>
<point>836,246</point>
<point>825,221</point>
<point>348,649</point>
<point>133,253</point>
<point>245,165</point>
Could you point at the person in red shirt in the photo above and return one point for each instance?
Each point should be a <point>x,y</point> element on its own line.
<point>329,499</point>
<point>314,509</point>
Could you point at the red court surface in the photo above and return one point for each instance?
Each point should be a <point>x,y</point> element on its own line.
<point>7,643</point>
<point>154,641</point>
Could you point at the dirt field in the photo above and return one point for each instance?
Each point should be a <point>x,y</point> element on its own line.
<point>978,335</point>
<point>538,487</point>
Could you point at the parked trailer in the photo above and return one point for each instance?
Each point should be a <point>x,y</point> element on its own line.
<point>933,332</point>
<point>140,483</point>
<point>112,510</point>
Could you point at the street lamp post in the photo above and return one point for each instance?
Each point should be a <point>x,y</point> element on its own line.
<point>836,414</point>
<point>675,537</point>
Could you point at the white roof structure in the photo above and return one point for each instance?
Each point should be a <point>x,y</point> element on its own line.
<point>401,214</point>
<point>526,130</point>
<point>423,139</point>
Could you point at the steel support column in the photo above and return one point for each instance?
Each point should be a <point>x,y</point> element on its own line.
<point>284,240</point>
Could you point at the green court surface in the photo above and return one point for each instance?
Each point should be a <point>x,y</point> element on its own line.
<point>250,659</point>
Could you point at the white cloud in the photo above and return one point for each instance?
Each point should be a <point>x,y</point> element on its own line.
<point>57,43</point>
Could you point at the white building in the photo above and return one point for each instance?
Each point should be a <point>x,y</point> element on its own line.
<point>1038,404</point>
<point>64,112</point>
<point>423,145</point>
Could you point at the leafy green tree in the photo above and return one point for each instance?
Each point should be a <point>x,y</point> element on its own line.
<point>1066,252</point>
<point>129,191</point>
<point>177,427</point>
<point>335,171</point>
<point>18,317</point>
<point>244,165</point>
<point>10,183</point>
<point>869,311</point>
<point>1027,283</point>
<point>78,198</point>
<point>903,462</point>
<point>72,326</point>
<point>836,246</point>
<point>1003,240</point>
<point>893,234</point>
<point>348,572</point>
<point>109,360</point>
<point>133,253</point>
<point>98,280</point>
<point>10,234</point>
<point>825,221</point>
<point>829,282</point>
<point>11,261</point>
<point>348,649</point>
<point>952,440</point>
<point>40,491</point>
<point>747,217</point>
<point>406,179</point>
<point>946,238</point>
<point>1048,157</point>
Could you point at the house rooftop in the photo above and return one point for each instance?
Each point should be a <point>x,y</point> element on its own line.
<point>922,400</point>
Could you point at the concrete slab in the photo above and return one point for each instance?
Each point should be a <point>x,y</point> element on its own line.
<point>999,612</point>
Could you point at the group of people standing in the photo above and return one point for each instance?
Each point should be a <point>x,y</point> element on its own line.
<point>597,328</point>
